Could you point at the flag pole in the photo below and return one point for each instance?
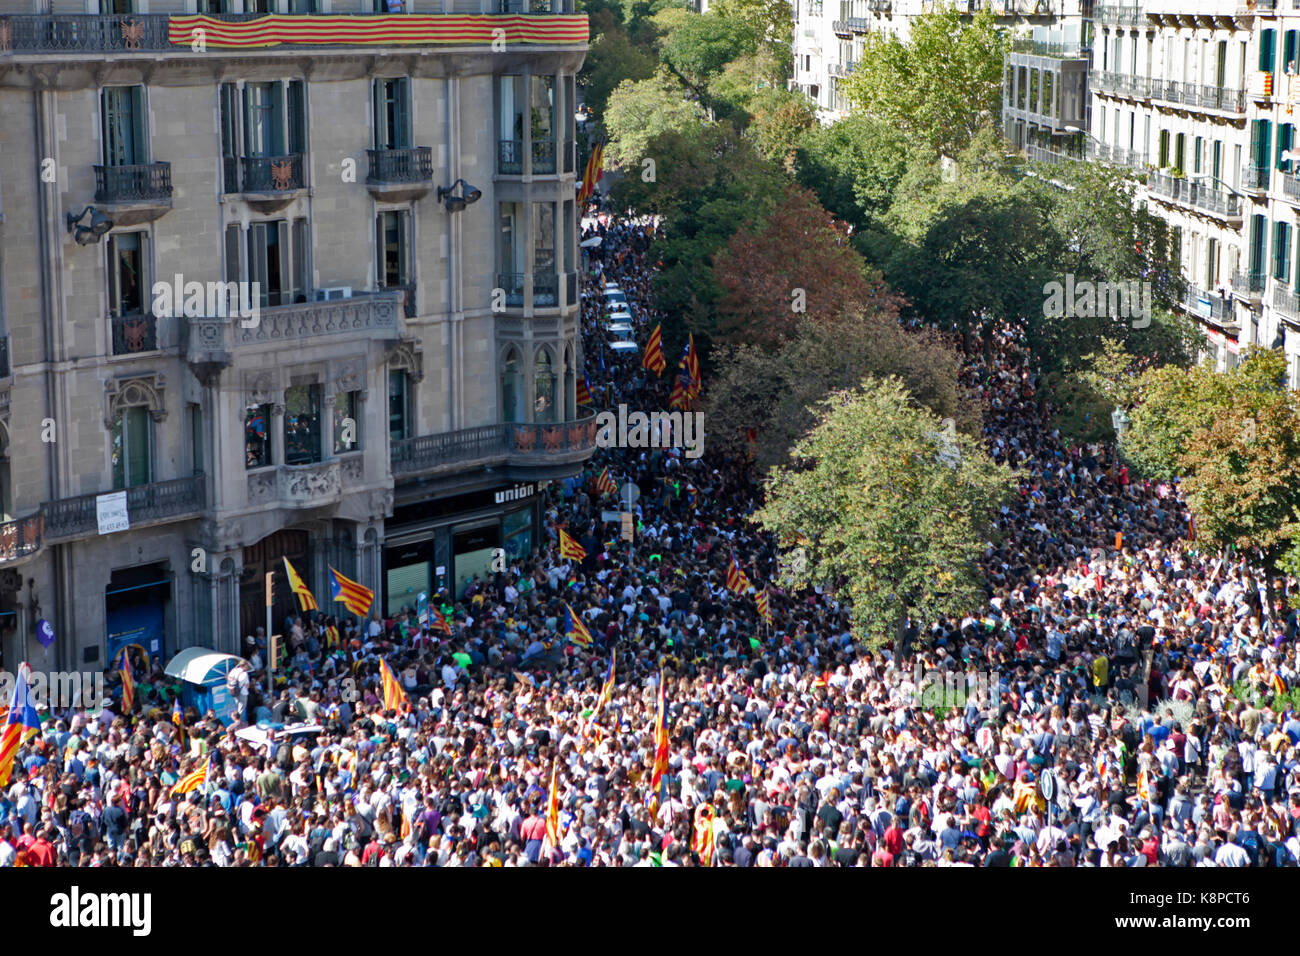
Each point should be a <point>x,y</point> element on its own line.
<point>270,679</point>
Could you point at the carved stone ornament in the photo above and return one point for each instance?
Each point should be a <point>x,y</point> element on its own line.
<point>134,392</point>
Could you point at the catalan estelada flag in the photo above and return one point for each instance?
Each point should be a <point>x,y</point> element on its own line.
<point>305,599</point>
<point>605,484</point>
<point>574,628</point>
<point>394,695</point>
<point>653,358</point>
<point>764,607</point>
<point>128,683</point>
<point>583,396</point>
<point>570,548</point>
<point>607,688</point>
<point>437,621</point>
<point>685,388</point>
<point>736,579</point>
<point>355,597</point>
<point>22,723</point>
<point>192,781</point>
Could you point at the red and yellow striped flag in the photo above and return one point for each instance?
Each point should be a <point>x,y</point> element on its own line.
<point>192,781</point>
<point>660,766</point>
<point>605,484</point>
<point>552,841</point>
<point>653,359</point>
<point>736,579</point>
<point>128,683</point>
<point>305,598</point>
<point>355,597</point>
<point>570,548</point>
<point>764,607</point>
<point>394,695</point>
<point>574,628</point>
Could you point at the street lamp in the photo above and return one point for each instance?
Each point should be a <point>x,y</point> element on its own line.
<point>1119,421</point>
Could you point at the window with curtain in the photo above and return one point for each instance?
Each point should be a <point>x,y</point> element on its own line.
<point>132,454</point>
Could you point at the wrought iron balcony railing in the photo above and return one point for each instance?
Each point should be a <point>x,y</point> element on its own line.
<point>510,157</point>
<point>1255,177</point>
<point>512,285</point>
<point>134,332</point>
<point>543,157</point>
<point>546,289</point>
<point>521,442</point>
<point>410,165</point>
<point>21,538</point>
<point>154,503</point>
<point>266,174</point>
<point>1248,283</point>
<point>151,182</point>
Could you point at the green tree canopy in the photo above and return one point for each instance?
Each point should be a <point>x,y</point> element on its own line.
<point>892,507</point>
<point>639,111</point>
<point>940,86</point>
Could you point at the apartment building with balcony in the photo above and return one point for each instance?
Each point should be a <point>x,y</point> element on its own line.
<point>829,35</point>
<point>1045,89</point>
<point>1195,98</point>
<point>403,377</point>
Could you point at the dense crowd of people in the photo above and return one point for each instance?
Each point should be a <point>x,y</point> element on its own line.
<point>1110,705</point>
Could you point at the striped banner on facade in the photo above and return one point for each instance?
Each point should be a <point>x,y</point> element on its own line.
<point>342,29</point>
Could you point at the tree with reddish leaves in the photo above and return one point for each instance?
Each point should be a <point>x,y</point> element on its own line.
<point>796,262</point>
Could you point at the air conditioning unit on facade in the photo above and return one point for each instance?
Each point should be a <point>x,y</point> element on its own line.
<point>334,292</point>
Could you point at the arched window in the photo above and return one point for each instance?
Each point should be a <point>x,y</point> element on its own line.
<point>544,387</point>
<point>512,387</point>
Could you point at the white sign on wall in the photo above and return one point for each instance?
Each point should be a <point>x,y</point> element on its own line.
<point>111,511</point>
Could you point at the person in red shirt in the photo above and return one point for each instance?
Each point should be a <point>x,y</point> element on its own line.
<point>893,840</point>
<point>882,857</point>
<point>42,852</point>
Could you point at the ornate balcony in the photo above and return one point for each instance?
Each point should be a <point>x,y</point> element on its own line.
<point>400,175</point>
<point>21,538</point>
<point>535,445</point>
<point>297,486</point>
<point>210,341</point>
<point>130,195</point>
<point>267,183</point>
<point>137,332</point>
<point>155,503</point>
